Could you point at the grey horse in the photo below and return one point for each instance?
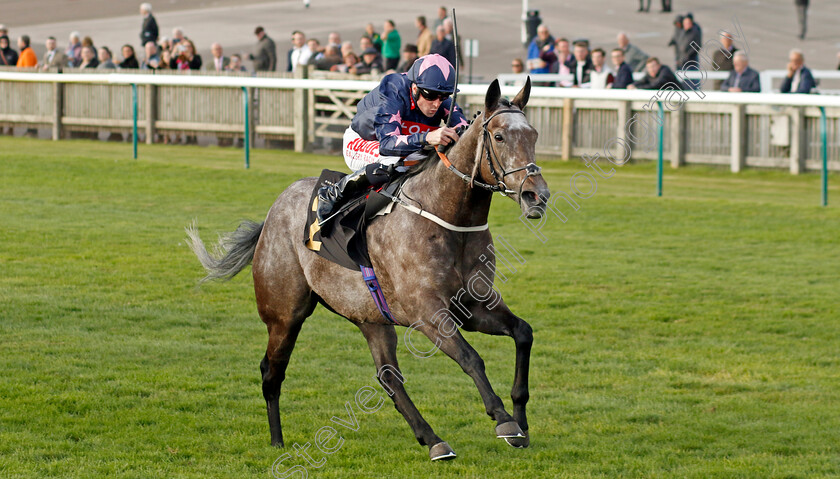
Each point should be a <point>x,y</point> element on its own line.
<point>421,266</point>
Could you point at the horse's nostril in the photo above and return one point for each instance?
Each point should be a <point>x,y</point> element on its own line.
<point>530,198</point>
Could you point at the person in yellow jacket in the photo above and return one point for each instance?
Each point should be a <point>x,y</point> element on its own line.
<point>27,58</point>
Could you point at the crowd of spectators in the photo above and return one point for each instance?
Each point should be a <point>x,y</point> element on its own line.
<point>392,51</point>
<point>375,52</point>
<point>588,69</point>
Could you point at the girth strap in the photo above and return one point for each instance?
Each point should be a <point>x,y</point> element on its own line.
<point>376,292</point>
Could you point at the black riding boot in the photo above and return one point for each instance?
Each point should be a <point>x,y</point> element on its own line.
<point>331,197</point>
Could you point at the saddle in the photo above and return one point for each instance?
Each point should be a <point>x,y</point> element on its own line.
<point>343,238</point>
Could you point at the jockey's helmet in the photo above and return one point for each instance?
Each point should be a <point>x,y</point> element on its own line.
<point>433,72</point>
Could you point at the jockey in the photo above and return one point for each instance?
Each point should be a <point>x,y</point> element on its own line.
<point>399,117</point>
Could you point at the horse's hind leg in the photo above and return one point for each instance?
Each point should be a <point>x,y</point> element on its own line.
<point>283,329</point>
<point>382,340</point>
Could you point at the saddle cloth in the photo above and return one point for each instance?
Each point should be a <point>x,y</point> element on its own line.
<point>343,238</point>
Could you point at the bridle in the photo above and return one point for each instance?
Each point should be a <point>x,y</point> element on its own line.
<point>493,162</point>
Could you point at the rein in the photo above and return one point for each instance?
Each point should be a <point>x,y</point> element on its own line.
<point>493,161</point>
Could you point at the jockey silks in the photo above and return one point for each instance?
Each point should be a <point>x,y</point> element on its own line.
<point>389,115</point>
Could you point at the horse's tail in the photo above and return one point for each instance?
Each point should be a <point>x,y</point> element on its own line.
<point>232,254</point>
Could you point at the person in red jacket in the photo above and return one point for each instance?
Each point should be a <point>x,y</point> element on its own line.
<point>27,58</point>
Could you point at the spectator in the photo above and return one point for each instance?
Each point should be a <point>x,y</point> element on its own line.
<point>165,45</point>
<point>391,44</point>
<point>838,58</point>
<point>676,40</point>
<point>441,17</point>
<point>365,43</point>
<point>220,61</point>
<point>334,39</point>
<point>166,61</point>
<point>601,76</point>
<point>666,6</point>
<point>89,60</point>
<point>624,75</point>
<point>129,58</point>
<point>152,60</point>
<point>563,50</point>
<point>517,66</point>
<point>551,58</point>
<point>177,36</point>
<point>149,29</point>
<point>742,77</point>
<point>657,76</point>
<point>450,35</point>
<point>374,37</point>
<point>74,50</point>
<point>346,48</point>
<point>300,52</point>
<point>8,56</point>
<point>27,58</point>
<point>88,42</point>
<point>633,55</point>
<point>315,48</point>
<point>329,58</point>
<point>642,7</point>
<point>105,62</point>
<point>424,38</point>
<point>349,64</point>
<point>443,46</point>
<point>371,63</point>
<point>266,57</point>
<point>3,30</point>
<point>692,35</point>
<point>409,57</point>
<point>235,64</point>
<point>53,58</point>
<point>541,43</point>
<point>187,58</point>
<point>583,64</point>
<point>799,78</point>
<point>802,15</point>
<point>723,61</point>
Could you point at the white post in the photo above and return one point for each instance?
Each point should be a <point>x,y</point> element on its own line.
<point>524,17</point>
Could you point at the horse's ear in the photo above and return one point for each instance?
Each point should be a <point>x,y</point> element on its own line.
<point>493,95</point>
<point>522,97</point>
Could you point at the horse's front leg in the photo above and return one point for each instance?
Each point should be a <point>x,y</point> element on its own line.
<point>443,332</point>
<point>500,321</point>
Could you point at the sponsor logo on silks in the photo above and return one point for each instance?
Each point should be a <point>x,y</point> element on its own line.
<point>362,146</point>
<point>410,128</point>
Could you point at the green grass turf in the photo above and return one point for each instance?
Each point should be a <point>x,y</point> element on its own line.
<point>693,335</point>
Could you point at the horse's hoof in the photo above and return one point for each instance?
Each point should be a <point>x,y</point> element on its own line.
<point>519,442</point>
<point>441,452</point>
<point>276,443</point>
<point>508,430</point>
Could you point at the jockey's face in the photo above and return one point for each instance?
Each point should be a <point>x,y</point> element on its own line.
<point>429,108</point>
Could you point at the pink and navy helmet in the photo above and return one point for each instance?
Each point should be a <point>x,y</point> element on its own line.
<point>433,72</point>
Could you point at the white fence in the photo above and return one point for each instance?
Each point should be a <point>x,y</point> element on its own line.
<point>735,129</point>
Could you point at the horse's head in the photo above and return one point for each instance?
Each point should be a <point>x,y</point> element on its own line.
<point>506,150</point>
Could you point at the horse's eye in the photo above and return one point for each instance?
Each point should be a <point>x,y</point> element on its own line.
<point>498,137</point>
